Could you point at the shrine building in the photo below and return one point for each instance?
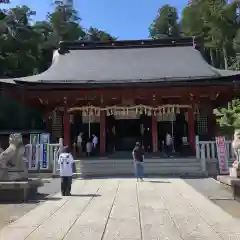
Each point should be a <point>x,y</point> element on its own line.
<point>128,91</point>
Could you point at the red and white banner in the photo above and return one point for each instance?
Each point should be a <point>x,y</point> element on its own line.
<point>222,155</point>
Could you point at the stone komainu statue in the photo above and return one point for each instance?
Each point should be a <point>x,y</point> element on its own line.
<point>12,160</point>
<point>236,148</point>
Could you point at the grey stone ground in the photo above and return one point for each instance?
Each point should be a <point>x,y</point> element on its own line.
<point>124,209</point>
<point>11,212</point>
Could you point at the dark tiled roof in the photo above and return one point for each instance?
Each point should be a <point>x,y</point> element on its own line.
<point>155,63</point>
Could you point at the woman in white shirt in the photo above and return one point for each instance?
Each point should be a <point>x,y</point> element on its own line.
<point>168,142</point>
<point>89,147</point>
<point>66,161</point>
<point>79,142</point>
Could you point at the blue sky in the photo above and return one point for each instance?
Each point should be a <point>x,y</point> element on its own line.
<point>125,19</point>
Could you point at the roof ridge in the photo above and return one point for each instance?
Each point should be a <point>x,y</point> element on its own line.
<point>144,43</point>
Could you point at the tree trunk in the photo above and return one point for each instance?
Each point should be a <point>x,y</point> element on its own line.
<point>212,57</point>
<point>225,58</point>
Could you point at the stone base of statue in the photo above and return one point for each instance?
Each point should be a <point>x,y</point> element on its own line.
<point>232,184</point>
<point>13,174</point>
<point>234,172</point>
<point>232,181</point>
<point>18,191</point>
<point>14,182</point>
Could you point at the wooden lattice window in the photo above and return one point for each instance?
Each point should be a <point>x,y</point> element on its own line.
<point>202,124</point>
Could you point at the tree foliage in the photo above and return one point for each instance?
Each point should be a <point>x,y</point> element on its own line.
<point>165,24</point>
<point>94,34</point>
<point>26,47</point>
<point>215,21</point>
<point>229,116</point>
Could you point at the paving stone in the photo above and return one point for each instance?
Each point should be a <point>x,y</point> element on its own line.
<point>17,233</point>
<point>124,219</point>
<point>189,223</point>
<point>92,222</point>
<point>124,209</point>
<point>56,227</point>
<point>156,222</point>
<point>33,219</point>
<point>217,218</point>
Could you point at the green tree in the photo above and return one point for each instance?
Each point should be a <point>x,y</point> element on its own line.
<point>165,24</point>
<point>230,116</point>
<point>216,22</point>
<point>18,43</point>
<point>221,18</point>
<point>236,45</point>
<point>192,22</point>
<point>63,24</point>
<point>94,34</point>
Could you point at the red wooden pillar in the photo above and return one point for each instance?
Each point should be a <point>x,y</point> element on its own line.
<point>102,131</point>
<point>191,129</point>
<point>66,127</point>
<point>154,134</point>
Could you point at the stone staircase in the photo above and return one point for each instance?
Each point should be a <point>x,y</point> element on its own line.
<point>153,167</point>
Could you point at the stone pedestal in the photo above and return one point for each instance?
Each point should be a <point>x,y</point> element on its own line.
<point>18,174</point>
<point>234,172</point>
<point>18,191</point>
<point>13,174</point>
<point>232,183</point>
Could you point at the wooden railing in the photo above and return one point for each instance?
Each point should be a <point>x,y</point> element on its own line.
<point>207,151</point>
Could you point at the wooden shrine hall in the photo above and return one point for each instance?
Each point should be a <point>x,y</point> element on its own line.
<point>128,91</point>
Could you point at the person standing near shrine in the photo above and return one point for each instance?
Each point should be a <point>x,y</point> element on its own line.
<point>79,143</point>
<point>168,142</point>
<point>138,157</point>
<point>65,162</point>
<point>89,147</point>
<point>94,143</point>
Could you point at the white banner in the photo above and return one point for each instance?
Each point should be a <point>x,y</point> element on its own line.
<point>32,156</point>
<point>222,155</point>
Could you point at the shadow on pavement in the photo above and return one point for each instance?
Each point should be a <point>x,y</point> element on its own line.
<point>85,195</point>
<point>216,193</point>
<point>35,198</point>
<point>159,181</point>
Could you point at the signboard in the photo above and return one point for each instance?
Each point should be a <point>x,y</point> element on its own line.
<point>222,155</point>
<point>44,141</point>
<point>44,138</point>
<point>32,153</point>
<point>34,139</point>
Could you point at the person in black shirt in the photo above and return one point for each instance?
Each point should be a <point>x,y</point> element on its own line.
<point>138,157</point>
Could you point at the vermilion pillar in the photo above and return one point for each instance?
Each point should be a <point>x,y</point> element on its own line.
<point>154,134</point>
<point>191,129</point>
<point>66,127</point>
<point>102,131</point>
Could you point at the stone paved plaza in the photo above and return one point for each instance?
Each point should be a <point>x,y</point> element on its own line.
<point>112,209</point>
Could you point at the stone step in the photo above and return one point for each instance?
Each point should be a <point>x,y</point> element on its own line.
<point>148,160</point>
<point>117,166</point>
<point>151,167</point>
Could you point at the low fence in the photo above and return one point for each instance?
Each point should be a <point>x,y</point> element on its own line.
<point>43,157</point>
<point>207,151</point>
